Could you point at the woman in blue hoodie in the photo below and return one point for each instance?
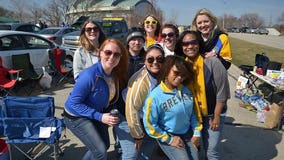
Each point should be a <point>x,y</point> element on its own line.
<point>96,89</point>
<point>169,116</point>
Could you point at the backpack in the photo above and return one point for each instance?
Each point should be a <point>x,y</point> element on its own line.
<point>260,59</point>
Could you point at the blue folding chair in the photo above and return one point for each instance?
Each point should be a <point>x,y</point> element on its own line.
<point>31,120</point>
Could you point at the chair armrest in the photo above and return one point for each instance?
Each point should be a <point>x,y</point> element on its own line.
<point>14,74</point>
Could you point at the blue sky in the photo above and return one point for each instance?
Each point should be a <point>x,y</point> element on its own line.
<point>184,10</point>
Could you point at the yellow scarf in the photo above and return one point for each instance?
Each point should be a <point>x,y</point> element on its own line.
<point>197,87</point>
<point>150,41</point>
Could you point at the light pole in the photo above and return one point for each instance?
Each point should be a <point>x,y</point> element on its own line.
<point>224,14</point>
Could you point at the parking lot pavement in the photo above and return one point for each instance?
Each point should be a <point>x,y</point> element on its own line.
<point>243,137</point>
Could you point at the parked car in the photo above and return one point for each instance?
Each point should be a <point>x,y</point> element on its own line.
<point>244,29</point>
<point>233,29</point>
<point>16,42</point>
<point>25,27</point>
<point>262,31</point>
<point>55,33</point>
<point>112,27</point>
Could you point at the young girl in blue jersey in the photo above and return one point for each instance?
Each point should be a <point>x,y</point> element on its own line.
<point>169,116</point>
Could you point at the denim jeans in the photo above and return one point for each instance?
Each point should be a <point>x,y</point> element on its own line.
<point>211,139</point>
<point>173,153</point>
<point>125,139</point>
<point>93,134</point>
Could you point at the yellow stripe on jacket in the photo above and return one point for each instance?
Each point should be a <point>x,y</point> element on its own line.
<point>226,48</point>
<point>138,89</point>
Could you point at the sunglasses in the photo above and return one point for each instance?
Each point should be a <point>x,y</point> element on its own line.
<point>151,22</point>
<point>170,35</point>
<point>109,53</point>
<point>192,42</point>
<point>159,59</point>
<point>89,29</point>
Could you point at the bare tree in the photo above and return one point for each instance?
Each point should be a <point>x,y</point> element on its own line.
<point>19,7</point>
<point>173,17</point>
<point>52,13</point>
<point>251,20</point>
<point>36,12</point>
<point>5,12</point>
<point>281,18</point>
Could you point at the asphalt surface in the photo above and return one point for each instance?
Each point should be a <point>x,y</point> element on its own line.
<point>267,40</point>
<point>243,137</point>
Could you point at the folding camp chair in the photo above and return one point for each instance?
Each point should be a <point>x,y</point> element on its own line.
<point>22,61</point>
<point>259,60</point>
<point>59,66</point>
<point>30,120</point>
<point>8,79</point>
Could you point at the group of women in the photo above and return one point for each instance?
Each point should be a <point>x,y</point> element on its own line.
<point>171,90</point>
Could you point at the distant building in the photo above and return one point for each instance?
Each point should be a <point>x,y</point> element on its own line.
<point>133,11</point>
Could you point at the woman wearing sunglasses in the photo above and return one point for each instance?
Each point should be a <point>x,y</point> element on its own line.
<point>216,41</point>
<point>169,34</point>
<point>210,88</point>
<point>152,27</point>
<point>86,111</point>
<point>169,103</point>
<point>91,37</point>
<point>139,86</point>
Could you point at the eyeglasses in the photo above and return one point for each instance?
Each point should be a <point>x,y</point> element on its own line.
<point>192,42</point>
<point>89,29</point>
<point>178,73</point>
<point>109,53</point>
<point>151,22</point>
<point>159,59</point>
<point>170,35</point>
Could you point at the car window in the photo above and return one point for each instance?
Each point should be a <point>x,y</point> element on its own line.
<point>49,31</point>
<point>25,28</point>
<point>28,28</point>
<point>5,27</point>
<point>12,43</point>
<point>36,42</point>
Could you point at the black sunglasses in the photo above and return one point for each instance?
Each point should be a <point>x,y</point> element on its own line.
<point>89,29</point>
<point>192,42</point>
<point>159,59</point>
<point>170,35</point>
<point>109,53</point>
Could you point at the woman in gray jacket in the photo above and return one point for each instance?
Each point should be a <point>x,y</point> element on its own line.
<point>91,37</point>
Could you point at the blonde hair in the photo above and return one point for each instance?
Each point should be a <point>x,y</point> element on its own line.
<point>207,13</point>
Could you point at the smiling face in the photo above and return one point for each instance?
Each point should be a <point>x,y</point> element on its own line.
<point>110,56</point>
<point>154,60</point>
<point>174,78</point>
<point>204,24</point>
<point>135,45</point>
<point>169,38</point>
<point>150,25</point>
<point>190,45</point>
<point>92,32</point>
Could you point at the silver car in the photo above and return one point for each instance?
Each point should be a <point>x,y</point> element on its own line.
<point>55,33</point>
<point>16,42</point>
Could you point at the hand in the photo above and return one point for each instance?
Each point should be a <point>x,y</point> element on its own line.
<point>195,141</point>
<point>214,123</point>
<point>177,142</point>
<point>210,54</point>
<point>138,143</point>
<point>109,120</point>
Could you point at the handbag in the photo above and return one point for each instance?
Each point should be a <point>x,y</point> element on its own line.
<point>45,80</point>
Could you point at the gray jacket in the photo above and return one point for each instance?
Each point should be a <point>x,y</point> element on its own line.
<point>82,60</point>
